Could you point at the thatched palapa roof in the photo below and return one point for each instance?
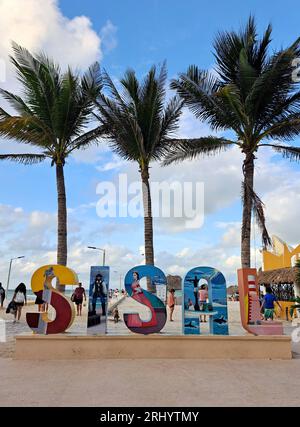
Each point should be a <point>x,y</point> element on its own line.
<point>174,282</point>
<point>231,290</point>
<point>280,276</point>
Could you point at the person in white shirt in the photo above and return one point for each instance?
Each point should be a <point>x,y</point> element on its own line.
<point>19,299</point>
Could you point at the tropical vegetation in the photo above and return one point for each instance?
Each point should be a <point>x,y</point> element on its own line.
<point>52,116</point>
<point>251,94</point>
<point>139,125</point>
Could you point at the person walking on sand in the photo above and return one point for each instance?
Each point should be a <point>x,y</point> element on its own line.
<point>19,299</point>
<point>2,295</point>
<point>269,304</point>
<point>171,303</point>
<point>79,294</point>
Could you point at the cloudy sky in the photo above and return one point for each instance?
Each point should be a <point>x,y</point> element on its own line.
<point>122,34</point>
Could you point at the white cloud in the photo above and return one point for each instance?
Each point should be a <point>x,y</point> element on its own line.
<point>115,164</point>
<point>108,36</point>
<point>191,127</point>
<point>40,25</point>
<point>221,183</point>
<point>232,236</point>
<point>283,212</point>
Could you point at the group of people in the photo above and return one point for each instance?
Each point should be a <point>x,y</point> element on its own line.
<point>267,301</point>
<point>99,291</point>
<point>19,299</point>
<point>115,293</point>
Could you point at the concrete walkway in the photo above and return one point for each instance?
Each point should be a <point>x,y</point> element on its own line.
<point>150,383</point>
<point>130,383</point>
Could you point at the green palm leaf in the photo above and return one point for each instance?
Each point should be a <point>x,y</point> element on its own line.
<point>25,159</point>
<point>190,149</point>
<point>53,115</point>
<point>250,93</point>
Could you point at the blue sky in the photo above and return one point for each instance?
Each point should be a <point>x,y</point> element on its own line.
<point>181,32</point>
<point>137,34</point>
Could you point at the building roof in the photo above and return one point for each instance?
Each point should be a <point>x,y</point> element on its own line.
<point>231,290</point>
<point>279,276</point>
<point>174,282</point>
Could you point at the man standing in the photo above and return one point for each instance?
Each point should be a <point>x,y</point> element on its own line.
<point>99,291</point>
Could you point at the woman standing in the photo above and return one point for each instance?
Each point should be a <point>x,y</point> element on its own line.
<point>171,303</point>
<point>19,299</point>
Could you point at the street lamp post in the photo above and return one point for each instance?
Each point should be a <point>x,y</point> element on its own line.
<point>9,270</point>
<point>120,277</point>
<point>99,249</point>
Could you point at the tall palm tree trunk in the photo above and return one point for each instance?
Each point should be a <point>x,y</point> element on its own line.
<point>61,220</point>
<point>148,223</point>
<point>248,171</point>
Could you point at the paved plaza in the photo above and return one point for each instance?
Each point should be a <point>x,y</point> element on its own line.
<point>178,383</point>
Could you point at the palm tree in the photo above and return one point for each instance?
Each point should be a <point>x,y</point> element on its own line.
<point>138,124</point>
<point>252,94</point>
<point>52,116</point>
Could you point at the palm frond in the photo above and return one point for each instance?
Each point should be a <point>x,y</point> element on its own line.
<point>40,79</point>
<point>136,119</point>
<point>272,87</point>
<point>87,139</point>
<point>25,159</point>
<point>56,107</point>
<point>240,55</point>
<point>189,149</point>
<point>132,88</point>
<point>201,93</point>
<point>26,129</point>
<point>91,81</point>
<point>4,114</point>
<point>171,116</point>
<point>291,153</point>
<point>16,102</point>
<point>285,129</point>
<point>258,211</point>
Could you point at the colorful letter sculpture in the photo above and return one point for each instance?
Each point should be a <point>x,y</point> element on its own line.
<point>41,284</point>
<point>215,306</point>
<point>250,305</point>
<point>155,306</point>
<point>98,292</point>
